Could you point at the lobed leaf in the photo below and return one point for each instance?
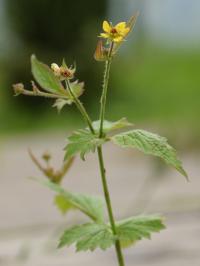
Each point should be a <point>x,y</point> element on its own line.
<point>82,141</point>
<point>92,206</point>
<point>88,236</point>
<point>45,77</point>
<point>149,143</point>
<point>133,229</point>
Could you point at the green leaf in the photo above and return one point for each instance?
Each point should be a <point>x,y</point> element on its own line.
<point>63,204</point>
<point>149,143</point>
<point>92,206</point>
<point>109,126</point>
<point>133,229</point>
<point>45,77</point>
<point>77,88</point>
<point>82,141</point>
<point>88,237</point>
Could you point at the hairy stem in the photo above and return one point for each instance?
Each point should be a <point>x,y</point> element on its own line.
<point>109,206</point>
<point>105,89</point>
<point>99,149</point>
<point>100,157</point>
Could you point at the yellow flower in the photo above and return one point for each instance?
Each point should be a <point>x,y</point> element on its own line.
<point>117,33</point>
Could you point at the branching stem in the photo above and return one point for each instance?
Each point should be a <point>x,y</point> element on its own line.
<point>42,94</point>
<point>80,107</point>
<point>99,149</point>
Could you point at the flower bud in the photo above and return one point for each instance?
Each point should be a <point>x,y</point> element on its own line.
<point>56,69</point>
<point>46,156</point>
<point>18,88</point>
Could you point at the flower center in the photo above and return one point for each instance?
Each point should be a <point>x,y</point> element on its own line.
<point>66,73</point>
<point>113,31</point>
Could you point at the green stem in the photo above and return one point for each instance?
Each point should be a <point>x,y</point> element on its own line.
<point>80,107</point>
<point>105,89</point>
<point>109,206</point>
<point>100,157</point>
<point>42,94</point>
<point>99,149</point>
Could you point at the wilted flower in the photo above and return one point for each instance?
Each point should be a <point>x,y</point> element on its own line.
<point>63,72</point>
<point>101,53</point>
<point>117,33</point>
<point>67,72</point>
<point>46,156</point>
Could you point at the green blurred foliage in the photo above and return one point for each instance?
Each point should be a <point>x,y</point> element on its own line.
<point>52,30</point>
<point>159,84</point>
<point>149,84</point>
<point>52,25</point>
<point>161,87</point>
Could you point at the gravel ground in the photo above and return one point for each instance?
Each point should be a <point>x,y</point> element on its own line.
<point>30,225</point>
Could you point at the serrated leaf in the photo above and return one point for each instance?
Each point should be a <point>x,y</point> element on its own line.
<point>82,141</point>
<point>133,229</point>
<point>88,237</point>
<point>45,77</point>
<point>92,206</point>
<point>149,143</point>
<point>63,204</point>
<point>109,126</point>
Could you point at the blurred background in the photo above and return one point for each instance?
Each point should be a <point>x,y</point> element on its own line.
<point>155,83</point>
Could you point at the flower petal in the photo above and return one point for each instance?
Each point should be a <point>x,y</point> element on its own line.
<point>118,39</point>
<point>104,35</point>
<point>106,26</point>
<point>120,26</point>
<point>125,31</point>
